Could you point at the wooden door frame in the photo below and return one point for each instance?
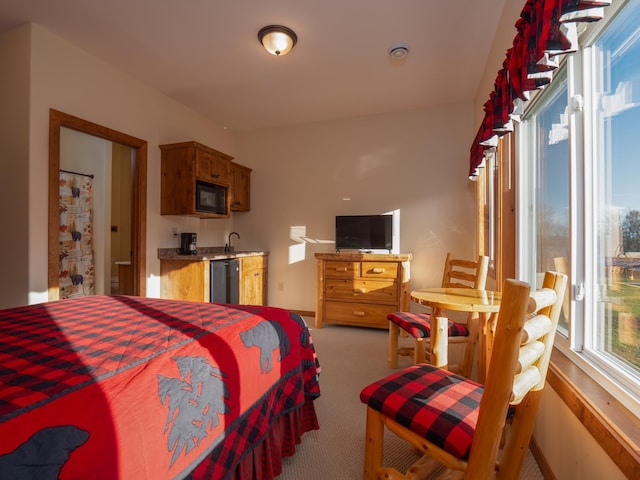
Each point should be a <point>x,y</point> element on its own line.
<point>59,119</point>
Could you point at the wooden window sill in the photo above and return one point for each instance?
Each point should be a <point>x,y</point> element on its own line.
<point>610,423</point>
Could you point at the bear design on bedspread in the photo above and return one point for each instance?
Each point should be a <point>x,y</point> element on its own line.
<point>43,455</point>
<point>195,401</point>
<point>267,335</point>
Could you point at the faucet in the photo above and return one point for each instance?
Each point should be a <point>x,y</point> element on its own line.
<point>228,248</point>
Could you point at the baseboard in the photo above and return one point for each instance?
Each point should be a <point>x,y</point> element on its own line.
<point>305,313</point>
<point>547,473</point>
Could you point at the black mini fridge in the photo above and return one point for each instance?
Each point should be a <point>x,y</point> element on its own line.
<point>225,281</point>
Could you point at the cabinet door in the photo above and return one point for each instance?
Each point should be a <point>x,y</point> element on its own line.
<point>253,281</point>
<point>212,168</point>
<point>240,188</point>
<point>183,280</point>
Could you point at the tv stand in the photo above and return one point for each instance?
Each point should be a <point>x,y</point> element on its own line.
<point>361,289</point>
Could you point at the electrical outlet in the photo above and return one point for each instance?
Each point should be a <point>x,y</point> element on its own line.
<point>174,230</point>
<point>281,286</point>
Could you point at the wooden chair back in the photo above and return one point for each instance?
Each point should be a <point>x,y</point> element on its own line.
<point>524,334</point>
<point>459,273</point>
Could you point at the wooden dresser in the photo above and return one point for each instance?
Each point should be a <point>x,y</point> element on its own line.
<point>360,289</point>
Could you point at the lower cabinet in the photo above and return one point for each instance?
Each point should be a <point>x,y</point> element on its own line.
<point>253,280</point>
<point>184,280</point>
<point>361,289</point>
<point>191,280</point>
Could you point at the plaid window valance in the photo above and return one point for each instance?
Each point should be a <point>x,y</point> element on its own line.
<point>545,29</point>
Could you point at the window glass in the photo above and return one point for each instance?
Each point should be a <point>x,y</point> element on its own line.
<point>616,77</point>
<point>549,151</point>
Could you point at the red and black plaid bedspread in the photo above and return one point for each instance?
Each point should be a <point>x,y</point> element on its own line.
<point>131,387</point>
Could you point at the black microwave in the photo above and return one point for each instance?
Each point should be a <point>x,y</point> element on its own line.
<point>211,198</point>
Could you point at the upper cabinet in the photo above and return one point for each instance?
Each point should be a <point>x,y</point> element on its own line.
<point>200,181</point>
<point>212,166</point>
<point>240,188</point>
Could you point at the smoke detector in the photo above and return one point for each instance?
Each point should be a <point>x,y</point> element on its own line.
<point>399,50</point>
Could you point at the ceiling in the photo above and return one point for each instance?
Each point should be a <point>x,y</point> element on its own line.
<point>205,53</point>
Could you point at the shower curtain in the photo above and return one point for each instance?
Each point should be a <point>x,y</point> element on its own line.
<point>77,271</point>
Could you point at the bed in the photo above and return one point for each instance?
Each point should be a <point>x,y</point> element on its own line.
<point>130,387</point>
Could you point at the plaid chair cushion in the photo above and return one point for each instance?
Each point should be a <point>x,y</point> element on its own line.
<point>434,403</point>
<point>417,325</point>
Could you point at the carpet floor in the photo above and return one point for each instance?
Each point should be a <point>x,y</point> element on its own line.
<point>350,358</point>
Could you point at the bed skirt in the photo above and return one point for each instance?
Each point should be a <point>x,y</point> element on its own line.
<point>264,462</point>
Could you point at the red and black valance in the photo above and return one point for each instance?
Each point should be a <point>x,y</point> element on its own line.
<point>545,29</point>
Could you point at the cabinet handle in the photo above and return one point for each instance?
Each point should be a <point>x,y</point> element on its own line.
<point>360,290</point>
<point>215,175</point>
<point>378,270</point>
<point>358,313</point>
<point>341,269</point>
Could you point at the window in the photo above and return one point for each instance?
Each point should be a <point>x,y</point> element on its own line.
<point>548,185</point>
<point>580,194</point>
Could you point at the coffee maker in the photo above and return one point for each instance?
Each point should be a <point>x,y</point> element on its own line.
<point>188,243</point>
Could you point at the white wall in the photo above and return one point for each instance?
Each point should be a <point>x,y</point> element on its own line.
<point>569,449</point>
<point>415,162</point>
<point>68,79</point>
<point>14,167</point>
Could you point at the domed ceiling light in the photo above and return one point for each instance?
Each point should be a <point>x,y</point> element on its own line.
<point>277,40</point>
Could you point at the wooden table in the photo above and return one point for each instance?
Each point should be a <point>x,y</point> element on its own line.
<point>483,302</point>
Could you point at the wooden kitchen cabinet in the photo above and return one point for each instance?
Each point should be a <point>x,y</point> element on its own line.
<point>181,165</point>
<point>361,289</point>
<point>184,280</point>
<point>253,280</point>
<point>240,188</point>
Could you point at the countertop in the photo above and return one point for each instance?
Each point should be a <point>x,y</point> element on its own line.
<point>206,253</point>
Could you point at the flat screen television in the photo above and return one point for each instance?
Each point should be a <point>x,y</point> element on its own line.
<point>364,232</point>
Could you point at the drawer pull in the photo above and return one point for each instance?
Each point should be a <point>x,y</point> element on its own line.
<point>341,269</point>
<point>358,313</point>
<point>378,270</point>
<point>359,290</point>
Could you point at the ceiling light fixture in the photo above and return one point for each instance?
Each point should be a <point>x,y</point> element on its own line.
<point>399,50</point>
<point>277,40</point>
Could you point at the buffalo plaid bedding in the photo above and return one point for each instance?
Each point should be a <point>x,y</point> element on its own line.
<point>418,325</point>
<point>434,403</point>
<point>131,387</point>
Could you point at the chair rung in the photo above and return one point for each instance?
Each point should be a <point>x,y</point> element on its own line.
<point>523,383</point>
<point>535,328</point>
<point>467,277</point>
<point>540,299</point>
<point>406,351</point>
<point>529,354</point>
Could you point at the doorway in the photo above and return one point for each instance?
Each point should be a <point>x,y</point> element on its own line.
<point>137,243</point>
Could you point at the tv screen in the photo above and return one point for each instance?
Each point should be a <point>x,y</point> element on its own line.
<point>364,232</point>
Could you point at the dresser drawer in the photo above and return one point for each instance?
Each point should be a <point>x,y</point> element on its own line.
<point>361,290</point>
<point>342,269</point>
<point>379,270</point>
<point>359,314</point>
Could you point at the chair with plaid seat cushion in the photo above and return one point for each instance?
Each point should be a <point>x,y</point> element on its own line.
<point>458,273</point>
<point>456,422</point>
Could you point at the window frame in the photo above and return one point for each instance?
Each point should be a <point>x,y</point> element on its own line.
<point>582,249</point>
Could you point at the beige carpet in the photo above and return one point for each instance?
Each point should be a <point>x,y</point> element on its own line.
<point>350,358</point>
